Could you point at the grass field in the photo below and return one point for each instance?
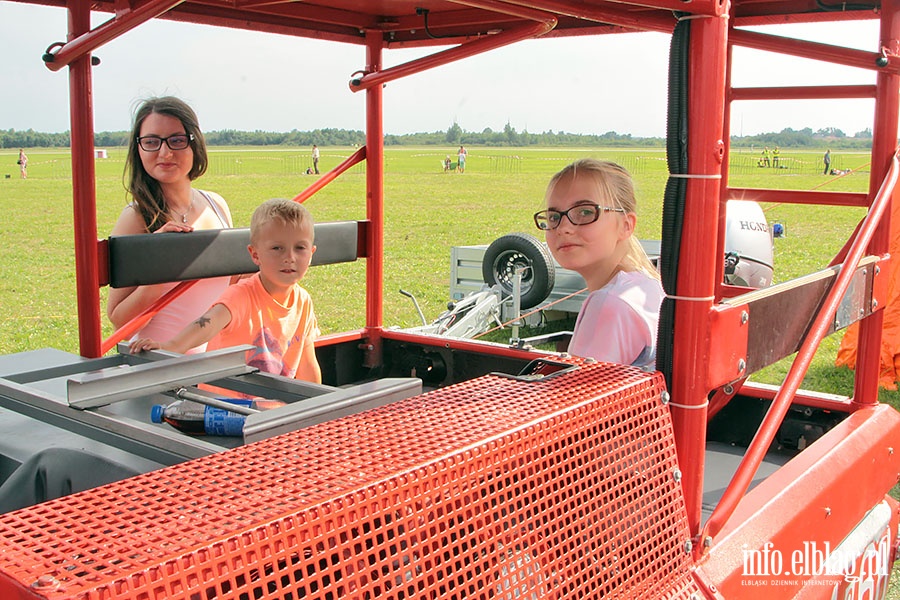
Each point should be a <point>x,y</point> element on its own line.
<point>427,212</point>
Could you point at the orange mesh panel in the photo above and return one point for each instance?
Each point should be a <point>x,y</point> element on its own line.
<point>494,488</point>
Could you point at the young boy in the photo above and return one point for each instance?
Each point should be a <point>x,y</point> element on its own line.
<point>268,310</point>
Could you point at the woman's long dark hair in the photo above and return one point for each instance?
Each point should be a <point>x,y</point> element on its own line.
<point>145,191</point>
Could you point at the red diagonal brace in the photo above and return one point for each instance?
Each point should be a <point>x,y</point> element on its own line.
<point>93,39</point>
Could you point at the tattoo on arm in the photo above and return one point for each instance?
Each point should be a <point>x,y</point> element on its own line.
<point>202,322</point>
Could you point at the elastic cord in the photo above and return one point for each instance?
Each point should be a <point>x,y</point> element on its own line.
<point>691,298</point>
<point>694,176</point>
<point>690,406</point>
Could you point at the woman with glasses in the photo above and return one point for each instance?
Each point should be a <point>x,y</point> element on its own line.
<point>589,225</point>
<point>166,153</point>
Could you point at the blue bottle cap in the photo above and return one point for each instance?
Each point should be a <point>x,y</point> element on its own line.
<point>156,413</point>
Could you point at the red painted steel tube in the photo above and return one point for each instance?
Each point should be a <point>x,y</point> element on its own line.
<point>856,199</point>
<point>353,159</point>
<point>802,397</point>
<point>641,21</point>
<point>513,9</point>
<point>698,264</point>
<point>755,20</point>
<point>814,50</point>
<point>718,401</point>
<point>757,449</point>
<point>374,201</point>
<point>84,193</point>
<point>803,92</point>
<point>817,497</point>
<point>582,10</point>
<point>341,337</point>
<point>721,224</point>
<point>461,344</point>
<point>132,326</point>
<point>89,40</point>
<point>376,79</point>
<point>884,141</point>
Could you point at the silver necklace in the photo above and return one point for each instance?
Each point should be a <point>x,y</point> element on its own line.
<point>187,212</point>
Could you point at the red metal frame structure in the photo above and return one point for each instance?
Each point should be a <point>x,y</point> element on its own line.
<point>500,515</point>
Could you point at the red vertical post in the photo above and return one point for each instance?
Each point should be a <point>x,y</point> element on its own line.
<point>884,143</point>
<point>722,224</point>
<point>698,260</point>
<point>84,194</point>
<point>374,200</point>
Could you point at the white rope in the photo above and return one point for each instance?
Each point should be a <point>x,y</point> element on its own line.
<point>691,298</point>
<point>690,406</point>
<point>694,176</point>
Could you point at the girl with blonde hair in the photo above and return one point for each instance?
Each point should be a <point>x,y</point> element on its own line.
<point>589,224</point>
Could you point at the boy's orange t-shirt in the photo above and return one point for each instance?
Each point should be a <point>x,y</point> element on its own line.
<point>283,336</point>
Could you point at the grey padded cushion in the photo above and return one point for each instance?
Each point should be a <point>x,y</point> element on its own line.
<point>165,257</point>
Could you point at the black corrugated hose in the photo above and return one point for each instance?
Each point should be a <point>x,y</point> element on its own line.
<point>673,200</point>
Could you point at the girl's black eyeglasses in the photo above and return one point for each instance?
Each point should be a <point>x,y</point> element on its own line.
<point>580,214</point>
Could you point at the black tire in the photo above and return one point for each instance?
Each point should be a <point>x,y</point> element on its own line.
<point>507,253</point>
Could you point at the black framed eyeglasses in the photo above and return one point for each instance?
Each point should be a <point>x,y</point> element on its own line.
<point>580,214</point>
<point>152,143</point>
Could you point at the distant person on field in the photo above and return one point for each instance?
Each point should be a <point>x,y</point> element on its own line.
<point>447,163</point>
<point>827,159</point>
<point>765,156</point>
<point>269,310</point>
<point>315,157</point>
<point>775,154</point>
<point>166,153</point>
<point>589,223</point>
<point>461,159</point>
<point>23,163</point>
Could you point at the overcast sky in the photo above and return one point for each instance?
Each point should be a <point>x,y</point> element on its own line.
<point>251,81</point>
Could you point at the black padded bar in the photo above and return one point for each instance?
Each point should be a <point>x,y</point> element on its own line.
<point>164,257</point>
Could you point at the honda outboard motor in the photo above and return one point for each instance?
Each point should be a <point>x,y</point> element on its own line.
<point>748,245</point>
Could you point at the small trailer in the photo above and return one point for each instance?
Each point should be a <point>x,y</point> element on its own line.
<point>545,286</point>
<point>429,466</point>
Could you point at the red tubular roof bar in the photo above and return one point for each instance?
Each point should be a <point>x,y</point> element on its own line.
<point>513,9</point>
<point>641,21</point>
<point>755,20</point>
<point>582,11</point>
<point>816,51</point>
<point>466,50</point>
<point>93,39</point>
<point>353,159</point>
<point>545,23</point>
<point>742,478</point>
<point>807,92</point>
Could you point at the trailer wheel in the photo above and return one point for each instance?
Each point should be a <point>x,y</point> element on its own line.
<point>512,251</point>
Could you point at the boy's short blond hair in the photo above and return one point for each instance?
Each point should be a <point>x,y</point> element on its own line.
<point>286,211</point>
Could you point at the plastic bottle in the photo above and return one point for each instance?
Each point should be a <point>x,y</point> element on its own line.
<point>198,419</point>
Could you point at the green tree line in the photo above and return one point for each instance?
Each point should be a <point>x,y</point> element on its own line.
<point>508,136</point>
